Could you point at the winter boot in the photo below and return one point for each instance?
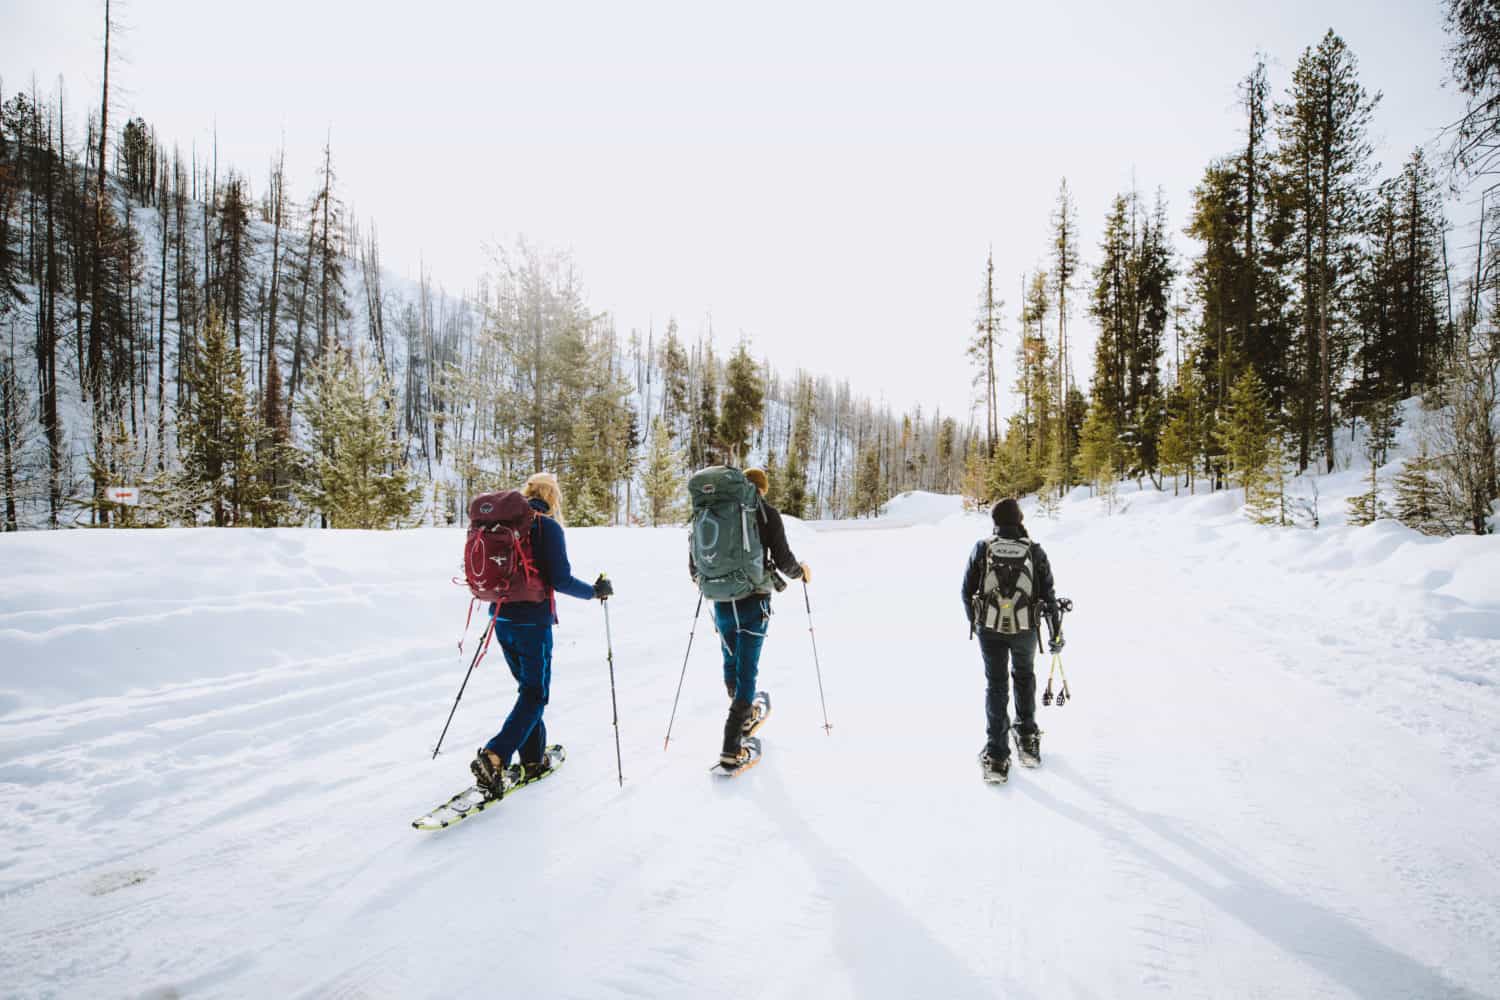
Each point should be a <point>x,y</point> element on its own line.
<point>489,772</point>
<point>995,770</point>
<point>532,770</point>
<point>1028,747</point>
<point>734,732</point>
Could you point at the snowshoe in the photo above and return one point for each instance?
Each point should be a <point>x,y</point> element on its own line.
<point>994,770</point>
<point>1028,747</point>
<point>732,765</point>
<point>477,798</point>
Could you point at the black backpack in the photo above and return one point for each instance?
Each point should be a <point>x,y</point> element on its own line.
<point>1005,602</point>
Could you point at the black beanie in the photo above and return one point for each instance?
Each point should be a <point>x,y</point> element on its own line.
<point>1007,511</point>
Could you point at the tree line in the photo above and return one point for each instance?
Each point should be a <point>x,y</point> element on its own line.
<point>243,358</point>
<point>1318,297</point>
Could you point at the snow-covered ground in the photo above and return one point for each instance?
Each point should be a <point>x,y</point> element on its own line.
<point>1279,776</point>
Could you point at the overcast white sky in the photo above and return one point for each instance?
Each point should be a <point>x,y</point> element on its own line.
<point>824,178</point>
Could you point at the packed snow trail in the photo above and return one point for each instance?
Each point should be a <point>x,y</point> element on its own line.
<point>1279,776</point>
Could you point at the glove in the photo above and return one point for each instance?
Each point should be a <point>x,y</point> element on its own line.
<point>1056,645</point>
<point>806,572</point>
<point>603,589</point>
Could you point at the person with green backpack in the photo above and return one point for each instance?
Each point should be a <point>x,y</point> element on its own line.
<point>738,543</point>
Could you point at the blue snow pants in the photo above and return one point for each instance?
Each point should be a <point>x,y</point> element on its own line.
<point>742,631</point>
<point>528,651</point>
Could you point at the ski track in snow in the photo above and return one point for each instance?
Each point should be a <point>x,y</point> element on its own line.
<point>1279,776</point>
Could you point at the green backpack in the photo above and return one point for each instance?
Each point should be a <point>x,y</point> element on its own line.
<point>725,542</point>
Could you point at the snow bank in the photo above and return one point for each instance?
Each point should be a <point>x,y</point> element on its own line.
<point>1279,774</point>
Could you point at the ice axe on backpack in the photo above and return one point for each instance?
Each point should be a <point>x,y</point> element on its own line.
<point>1055,645</point>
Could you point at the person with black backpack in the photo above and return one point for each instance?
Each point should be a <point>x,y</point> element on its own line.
<point>522,625</point>
<point>738,543</point>
<point>1008,587</point>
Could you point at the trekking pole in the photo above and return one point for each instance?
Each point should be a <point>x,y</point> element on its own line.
<point>1054,628</point>
<point>472,664</point>
<point>685,656</point>
<point>609,647</point>
<point>807,602</point>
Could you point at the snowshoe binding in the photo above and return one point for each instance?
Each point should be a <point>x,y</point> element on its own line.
<point>489,773</point>
<point>531,771</point>
<point>760,710</point>
<point>733,764</point>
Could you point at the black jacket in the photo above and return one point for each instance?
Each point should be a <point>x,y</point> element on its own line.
<point>773,540</point>
<point>1043,587</point>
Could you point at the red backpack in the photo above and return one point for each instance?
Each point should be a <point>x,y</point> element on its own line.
<point>499,565</point>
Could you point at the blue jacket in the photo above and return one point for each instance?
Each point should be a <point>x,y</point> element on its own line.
<point>551,553</point>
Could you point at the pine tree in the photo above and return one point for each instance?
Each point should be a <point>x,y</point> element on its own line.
<point>1054,482</point>
<point>976,483</point>
<point>869,484</point>
<point>357,479</point>
<point>982,347</point>
<point>213,434</point>
<point>1040,416</point>
<point>1368,507</point>
<point>1246,436</point>
<point>1098,451</point>
<point>275,457</point>
<point>1419,500</point>
<point>1325,157</point>
<point>19,484</point>
<point>662,477</point>
<point>794,497</point>
<point>1474,57</point>
<point>744,403</point>
<point>1064,269</point>
<point>675,399</point>
<point>1011,471</point>
<point>703,444</point>
<point>1178,447</point>
<point>1271,505</point>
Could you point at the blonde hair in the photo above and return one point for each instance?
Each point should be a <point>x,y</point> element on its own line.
<point>760,479</point>
<point>543,486</point>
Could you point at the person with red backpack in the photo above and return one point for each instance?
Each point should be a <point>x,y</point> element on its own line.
<point>1008,587</point>
<point>522,617</point>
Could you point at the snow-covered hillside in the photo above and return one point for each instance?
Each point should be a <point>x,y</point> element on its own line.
<point>1279,776</point>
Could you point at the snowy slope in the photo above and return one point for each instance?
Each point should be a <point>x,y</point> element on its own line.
<point>1280,775</point>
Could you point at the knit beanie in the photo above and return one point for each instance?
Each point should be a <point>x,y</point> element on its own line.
<point>1007,511</point>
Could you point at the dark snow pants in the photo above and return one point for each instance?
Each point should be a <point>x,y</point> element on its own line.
<point>1019,653</point>
<point>742,631</point>
<point>528,651</point>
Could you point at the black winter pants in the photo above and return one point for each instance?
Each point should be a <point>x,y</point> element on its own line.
<point>1018,653</point>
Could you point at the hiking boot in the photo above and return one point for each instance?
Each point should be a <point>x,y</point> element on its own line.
<point>1028,747</point>
<point>734,729</point>
<point>488,771</point>
<point>994,769</point>
<point>736,759</point>
<point>532,770</point>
